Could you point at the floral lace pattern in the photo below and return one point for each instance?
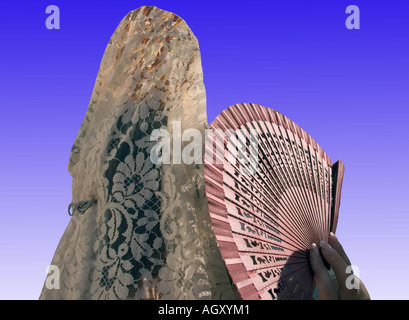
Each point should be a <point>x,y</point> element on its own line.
<point>149,235</point>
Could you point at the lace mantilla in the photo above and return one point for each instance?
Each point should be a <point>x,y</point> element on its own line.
<point>142,230</point>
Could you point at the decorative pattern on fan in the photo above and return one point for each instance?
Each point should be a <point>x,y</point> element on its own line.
<point>270,196</point>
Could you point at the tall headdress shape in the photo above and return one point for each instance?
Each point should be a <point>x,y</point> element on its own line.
<point>141,229</point>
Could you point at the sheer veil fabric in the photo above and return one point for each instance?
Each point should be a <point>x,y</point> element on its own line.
<point>145,231</point>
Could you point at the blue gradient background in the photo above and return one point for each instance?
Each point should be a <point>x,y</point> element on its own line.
<point>349,89</point>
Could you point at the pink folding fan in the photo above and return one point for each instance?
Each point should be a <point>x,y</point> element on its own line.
<point>272,192</point>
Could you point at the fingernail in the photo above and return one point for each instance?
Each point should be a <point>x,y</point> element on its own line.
<point>314,248</point>
<point>324,244</point>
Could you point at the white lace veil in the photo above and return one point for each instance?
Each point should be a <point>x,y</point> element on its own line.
<point>140,230</point>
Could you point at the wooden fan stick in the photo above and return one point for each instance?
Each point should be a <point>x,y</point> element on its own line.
<point>307,214</point>
<point>271,184</point>
<point>269,204</point>
<point>284,125</point>
<point>258,173</point>
<point>247,118</point>
<point>302,212</point>
<point>301,171</point>
<point>278,129</point>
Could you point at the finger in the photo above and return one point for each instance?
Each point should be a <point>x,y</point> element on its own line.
<point>339,266</point>
<point>326,288</point>
<point>364,294</point>
<point>334,242</point>
<point>336,261</point>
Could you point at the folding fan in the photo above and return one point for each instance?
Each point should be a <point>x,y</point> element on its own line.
<point>272,192</point>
